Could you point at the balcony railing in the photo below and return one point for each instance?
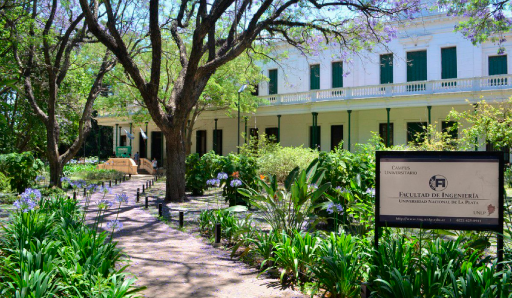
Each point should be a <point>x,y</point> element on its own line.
<point>389,90</point>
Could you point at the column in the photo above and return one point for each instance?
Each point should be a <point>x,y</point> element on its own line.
<point>215,137</point>
<point>429,108</point>
<point>279,128</point>
<point>147,141</point>
<point>246,137</point>
<point>131,133</point>
<point>349,130</point>
<point>116,135</point>
<point>388,128</point>
<point>314,131</point>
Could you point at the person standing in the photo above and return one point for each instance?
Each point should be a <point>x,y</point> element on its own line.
<point>155,164</point>
<point>136,158</point>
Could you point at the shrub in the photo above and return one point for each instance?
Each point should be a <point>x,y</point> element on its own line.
<point>241,168</point>
<point>5,183</point>
<point>102,174</point>
<point>50,252</point>
<point>283,160</point>
<point>21,168</point>
<point>290,209</point>
<point>201,169</point>
<point>340,266</point>
<point>73,168</point>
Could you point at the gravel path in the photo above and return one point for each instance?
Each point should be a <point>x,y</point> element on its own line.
<point>176,264</point>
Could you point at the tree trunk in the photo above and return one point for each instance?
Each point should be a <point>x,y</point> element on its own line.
<point>55,168</point>
<point>175,166</point>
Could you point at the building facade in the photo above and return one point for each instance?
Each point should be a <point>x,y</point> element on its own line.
<point>326,98</point>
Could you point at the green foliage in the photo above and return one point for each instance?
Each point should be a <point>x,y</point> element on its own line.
<point>231,226</point>
<point>485,123</point>
<point>199,169</point>
<point>340,267</point>
<point>237,167</point>
<point>5,183</point>
<point>294,254</point>
<point>21,168</point>
<point>51,252</point>
<point>289,209</point>
<point>101,174</point>
<point>73,168</point>
<point>275,160</point>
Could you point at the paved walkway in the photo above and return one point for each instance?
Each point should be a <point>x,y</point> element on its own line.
<point>176,264</point>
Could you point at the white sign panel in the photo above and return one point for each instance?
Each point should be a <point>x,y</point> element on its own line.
<point>452,192</point>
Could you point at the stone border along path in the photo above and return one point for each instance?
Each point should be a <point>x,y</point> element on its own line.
<point>171,263</point>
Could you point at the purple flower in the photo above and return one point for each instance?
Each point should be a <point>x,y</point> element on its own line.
<point>115,225</point>
<point>25,204</point>
<point>339,208</point>
<point>92,187</point>
<point>222,176</point>
<point>106,190</point>
<point>235,183</point>
<point>104,204</point>
<point>313,186</point>
<point>330,206</point>
<point>65,179</point>
<point>370,191</point>
<point>31,194</point>
<point>40,178</point>
<point>78,183</point>
<point>213,182</point>
<point>121,198</point>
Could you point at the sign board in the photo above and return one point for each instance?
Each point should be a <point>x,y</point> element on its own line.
<point>440,190</point>
<point>123,151</point>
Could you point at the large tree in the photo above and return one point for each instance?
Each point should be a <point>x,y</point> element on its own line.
<point>47,54</point>
<point>218,31</point>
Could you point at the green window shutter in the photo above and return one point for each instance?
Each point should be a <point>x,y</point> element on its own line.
<point>272,85</point>
<point>498,65</point>
<point>417,66</point>
<point>386,69</point>
<point>337,74</point>
<point>314,77</point>
<point>449,63</point>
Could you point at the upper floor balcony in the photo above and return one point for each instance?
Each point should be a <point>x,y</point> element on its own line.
<point>496,82</point>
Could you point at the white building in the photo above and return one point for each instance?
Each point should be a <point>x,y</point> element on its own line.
<point>417,79</point>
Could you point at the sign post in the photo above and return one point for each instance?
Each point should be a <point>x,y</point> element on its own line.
<point>440,190</point>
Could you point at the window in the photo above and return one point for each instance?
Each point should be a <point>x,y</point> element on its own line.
<point>498,66</point>
<point>449,63</point>
<point>201,142</point>
<point>413,131</point>
<point>272,84</point>
<point>314,77</point>
<point>336,135</point>
<point>337,74</point>
<point>416,70</point>
<point>386,69</point>
<point>217,141</point>
<point>383,133</point>
<point>450,127</point>
<point>317,137</point>
<point>271,133</point>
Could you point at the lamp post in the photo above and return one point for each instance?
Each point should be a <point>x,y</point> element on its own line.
<point>238,136</point>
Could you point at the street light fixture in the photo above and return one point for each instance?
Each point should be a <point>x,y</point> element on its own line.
<point>238,136</point>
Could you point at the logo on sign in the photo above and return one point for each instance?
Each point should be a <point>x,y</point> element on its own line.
<point>438,182</point>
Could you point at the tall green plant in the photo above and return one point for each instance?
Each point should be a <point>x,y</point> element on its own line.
<point>289,209</point>
<point>21,168</point>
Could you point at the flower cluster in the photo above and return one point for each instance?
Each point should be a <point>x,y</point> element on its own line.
<point>121,198</point>
<point>78,183</point>
<point>342,190</point>
<point>213,182</point>
<point>28,200</point>
<point>331,207</point>
<point>236,183</point>
<point>115,225</point>
<point>222,176</point>
<point>40,178</point>
<point>65,179</point>
<point>92,188</point>
<point>104,204</point>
